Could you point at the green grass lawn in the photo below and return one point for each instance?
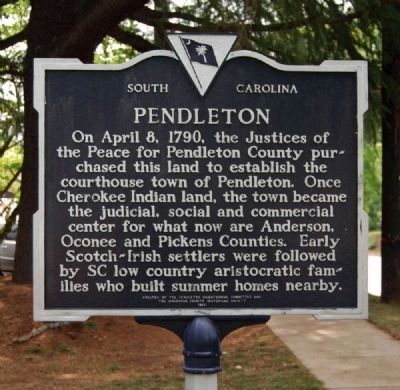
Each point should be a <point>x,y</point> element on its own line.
<point>264,363</point>
<point>374,238</point>
<point>385,316</point>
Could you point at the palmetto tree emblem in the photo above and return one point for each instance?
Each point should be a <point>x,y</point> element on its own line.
<point>201,51</point>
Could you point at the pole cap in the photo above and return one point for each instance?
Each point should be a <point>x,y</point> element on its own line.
<point>202,349</point>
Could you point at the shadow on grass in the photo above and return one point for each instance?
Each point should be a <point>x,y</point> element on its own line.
<point>385,315</point>
<point>264,363</point>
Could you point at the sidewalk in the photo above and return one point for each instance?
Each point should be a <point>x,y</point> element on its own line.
<point>343,354</point>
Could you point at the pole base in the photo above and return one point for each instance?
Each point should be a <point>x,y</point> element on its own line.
<point>201,382</point>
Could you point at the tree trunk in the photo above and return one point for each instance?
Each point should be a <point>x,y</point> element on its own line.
<point>391,155</point>
<point>65,29</point>
<point>48,21</point>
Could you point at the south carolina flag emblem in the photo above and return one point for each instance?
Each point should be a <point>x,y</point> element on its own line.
<point>199,52</point>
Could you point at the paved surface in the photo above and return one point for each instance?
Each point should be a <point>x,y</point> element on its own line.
<point>374,275</point>
<point>344,354</point>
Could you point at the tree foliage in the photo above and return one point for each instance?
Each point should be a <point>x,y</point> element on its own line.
<point>373,184</point>
<point>290,31</point>
<point>13,20</point>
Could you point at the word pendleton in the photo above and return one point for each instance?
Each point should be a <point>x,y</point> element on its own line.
<point>210,116</point>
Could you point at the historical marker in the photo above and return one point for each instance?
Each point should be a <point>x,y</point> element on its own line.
<point>200,181</point>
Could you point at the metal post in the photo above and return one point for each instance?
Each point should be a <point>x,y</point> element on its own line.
<point>202,353</point>
<point>202,338</point>
<point>201,382</point>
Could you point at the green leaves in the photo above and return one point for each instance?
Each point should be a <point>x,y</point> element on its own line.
<point>373,184</point>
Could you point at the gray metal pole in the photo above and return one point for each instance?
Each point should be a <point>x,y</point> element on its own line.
<point>201,382</point>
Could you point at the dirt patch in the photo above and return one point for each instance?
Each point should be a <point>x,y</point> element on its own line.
<point>100,351</point>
